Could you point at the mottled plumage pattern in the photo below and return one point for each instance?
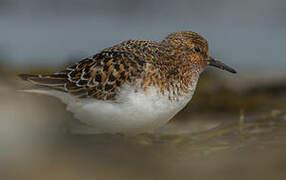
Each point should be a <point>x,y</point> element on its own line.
<point>170,65</point>
<point>133,87</point>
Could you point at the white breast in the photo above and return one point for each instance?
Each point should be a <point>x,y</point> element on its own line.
<point>133,111</point>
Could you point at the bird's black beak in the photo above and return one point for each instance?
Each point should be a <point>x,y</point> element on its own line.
<point>220,65</point>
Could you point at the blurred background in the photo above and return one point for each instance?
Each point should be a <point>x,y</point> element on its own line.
<point>233,128</point>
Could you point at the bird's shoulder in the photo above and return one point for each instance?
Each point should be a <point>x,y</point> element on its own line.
<point>101,75</point>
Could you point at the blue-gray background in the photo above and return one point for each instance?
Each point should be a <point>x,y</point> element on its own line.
<point>248,34</point>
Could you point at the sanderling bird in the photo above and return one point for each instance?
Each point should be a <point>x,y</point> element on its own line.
<point>133,87</point>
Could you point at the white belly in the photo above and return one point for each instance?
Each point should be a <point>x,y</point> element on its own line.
<point>133,112</point>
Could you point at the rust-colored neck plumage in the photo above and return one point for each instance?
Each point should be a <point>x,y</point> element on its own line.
<point>175,69</point>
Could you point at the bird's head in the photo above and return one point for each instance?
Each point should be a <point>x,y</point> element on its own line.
<point>193,48</point>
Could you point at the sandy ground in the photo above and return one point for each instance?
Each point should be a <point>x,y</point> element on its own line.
<point>36,144</point>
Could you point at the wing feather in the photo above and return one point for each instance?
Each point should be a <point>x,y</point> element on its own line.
<point>99,76</point>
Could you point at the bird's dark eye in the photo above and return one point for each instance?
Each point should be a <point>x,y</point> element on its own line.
<point>197,50</point>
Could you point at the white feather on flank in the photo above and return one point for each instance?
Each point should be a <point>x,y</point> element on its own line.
<point>132,112</point>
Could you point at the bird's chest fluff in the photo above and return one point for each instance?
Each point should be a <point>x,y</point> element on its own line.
<point>134,111</point>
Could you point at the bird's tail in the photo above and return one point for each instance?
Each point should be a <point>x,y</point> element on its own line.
<point>50,84</point>
<point>53,81</point>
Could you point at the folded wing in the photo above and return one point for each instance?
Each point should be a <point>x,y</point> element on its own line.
<point>99,76</point>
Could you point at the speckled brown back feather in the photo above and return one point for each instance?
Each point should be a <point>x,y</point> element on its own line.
<point>168,65</point>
